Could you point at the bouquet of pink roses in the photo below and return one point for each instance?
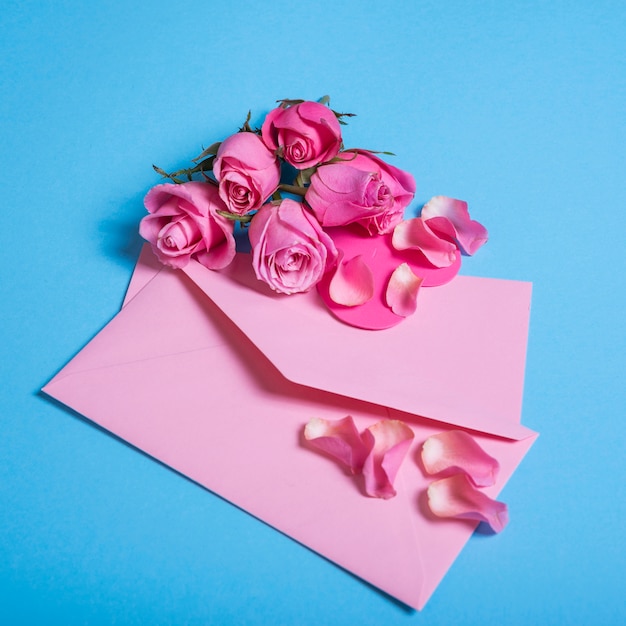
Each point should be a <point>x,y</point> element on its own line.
<point>316,214</point>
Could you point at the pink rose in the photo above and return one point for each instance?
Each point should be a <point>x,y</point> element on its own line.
<point>184,222</point>
<point>247,171</point>
<point>290,251</point>
<point>307,133</point>
<point>364,189</point>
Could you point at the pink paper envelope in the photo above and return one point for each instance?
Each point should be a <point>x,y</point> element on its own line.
<point>215,377</point>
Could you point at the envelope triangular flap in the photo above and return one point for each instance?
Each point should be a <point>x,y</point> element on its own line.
<point>187,410</point>
<point>184,325</point>
<point>146,268</point>
<point>459,360</point>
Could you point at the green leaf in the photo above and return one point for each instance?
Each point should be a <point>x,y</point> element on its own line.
<point>206,165</point>
<point>160,171</point>
<point>340,159</point>
<point>372,151</point>
<point>212,149</point>
<point>200,168</point>
<point>304,176</point>
<point>245,127</point>
<point>288,103</point>
<point>172,176</point>
<point>339,117</point>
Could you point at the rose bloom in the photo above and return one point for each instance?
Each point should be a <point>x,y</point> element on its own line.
<point>184,223</point>
<point>308,133</point>
<point>247,171</point>
<point>363,189</point>
<point>290,251</point>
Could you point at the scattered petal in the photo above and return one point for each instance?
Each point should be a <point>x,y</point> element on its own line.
<point>388,442</point>
<point>417,234</point>
<point>340,439</point>
<point>401,294</point>
<point>353,282</point>
<point>455,496</point>
<point>382,258</point>
<point>450,216</point>
<point>453,451</point>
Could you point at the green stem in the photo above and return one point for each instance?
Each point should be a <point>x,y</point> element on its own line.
<point>243,219</point>
<point>294,189</point>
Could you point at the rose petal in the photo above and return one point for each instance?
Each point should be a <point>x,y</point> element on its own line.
<point>457,497</point>
<point>401,183</point>
<point>388,442</point>
<point>417,234</point>
<point>382,258</point>
<point>247,171</point>
<point>290,251</point>
<point>246,151</point>
<point>352,283</point>
<point>470,234</point>
<point>401,294</point>
<point>308,133</point>
<point>376,203</point>
<point>454,451</point>
<point>340,439</point>
<point>212,242</point>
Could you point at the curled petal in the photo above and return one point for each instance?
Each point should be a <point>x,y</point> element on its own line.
<point>353,282</point>
<point>340,439</point>
<point>184,222</point>
<point>401,294</point>
<point>290,251</point>
<point>455,496</point>
<point>360,188</point>
<point>453,451</point>
<point>388,442</point>
<point>450,216</point>
<point>247,172</point>
<point>417,234</point>
<point>308,133</point>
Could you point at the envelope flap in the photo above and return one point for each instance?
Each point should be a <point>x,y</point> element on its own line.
<point>146,268</point>
<point>187,409</point>
<point>228,420</point>
<point>181,327</point>
<point>462,354</point>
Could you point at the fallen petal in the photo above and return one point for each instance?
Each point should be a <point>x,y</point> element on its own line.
<point>388,442</point>
<point>469,233</point>
<point>455,496</point>
<point>401,294</point>
<point>455,451</point>
<point>382,258</point>
<point>353,282</point>
<point>416,234</point>
<point>340,439</point>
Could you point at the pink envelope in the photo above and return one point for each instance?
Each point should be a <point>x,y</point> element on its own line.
<point>216,377</point>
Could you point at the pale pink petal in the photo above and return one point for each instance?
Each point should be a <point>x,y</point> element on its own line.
<point>401,294</point>
<point>455,451</point>
<point>469,233</point>
<point>340,439</point>
<point>417,234</point>
<point>388,442</point>
<point>352,283</point>
<point>457,497</point>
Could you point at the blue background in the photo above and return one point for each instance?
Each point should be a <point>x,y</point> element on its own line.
<point>517,107</point>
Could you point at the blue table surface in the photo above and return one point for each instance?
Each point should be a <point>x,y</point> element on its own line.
<point>517,107</point>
